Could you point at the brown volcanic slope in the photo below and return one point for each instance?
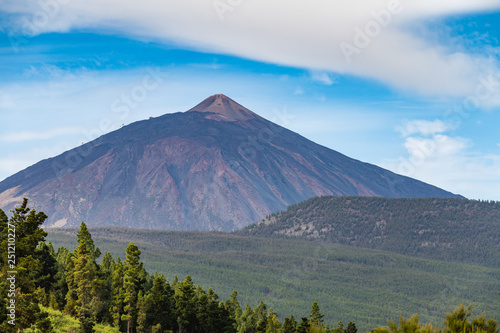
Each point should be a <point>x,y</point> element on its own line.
<point>218,166</point>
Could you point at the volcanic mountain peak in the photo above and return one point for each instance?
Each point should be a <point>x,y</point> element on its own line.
<point>218,167</point>
<point>224,108</point>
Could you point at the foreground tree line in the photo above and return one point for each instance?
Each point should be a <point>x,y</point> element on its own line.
<point>124,295</point>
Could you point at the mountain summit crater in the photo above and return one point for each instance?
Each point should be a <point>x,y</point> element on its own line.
<point>224,108</point>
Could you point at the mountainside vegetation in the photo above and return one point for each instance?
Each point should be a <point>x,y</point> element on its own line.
<point>122,295</point>
<point>78,289</point>
<point>364,286</point>
<point>449,229</point>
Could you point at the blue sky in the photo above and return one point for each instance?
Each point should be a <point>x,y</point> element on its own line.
<point>410,86</point>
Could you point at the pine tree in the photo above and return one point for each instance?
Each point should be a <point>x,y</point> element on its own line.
<point>142,309</point>
<point>117,294</point>
<point>84,284</point>
<point>45,277</point>
<point>289,325</point>
<point>459,321</point>
<point>304,325</point>
<point>273,324</point>
<point>71,297</point>
<point>339,328</point>
<point>248,322</point>
<point>83,275</point>
<point>108,263</point>
<point>316,316</point>
<point>4,220</point>
<point>351,328</point>
<point>131,286</point>
<point>185,305</point>
<point>203,312</point>
<point>106,276</point>
<point>28,234</point>
<point>84,235</point>
<point>220,318</point>
<point>260,314</point>
<point>212,315</point>
<point>61,286</point>
<point>157,306</point>
<point>234,308</point>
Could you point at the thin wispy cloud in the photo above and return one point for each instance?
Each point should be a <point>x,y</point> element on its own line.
<point>298,91</point>
<point>424,127</point>
<point>322,77</point>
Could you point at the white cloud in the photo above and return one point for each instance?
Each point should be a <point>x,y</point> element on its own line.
<point>438,146</point>
<point>472,174</point>
<point>47,70</point>
<point>424,127</point>
<point>448,162</point>
<point>305,34</point>
<point>322,77</point>
<point>298,91</point>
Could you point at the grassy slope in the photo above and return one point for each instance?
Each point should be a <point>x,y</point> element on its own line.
<point>350,284</point>
<point>64,323</point>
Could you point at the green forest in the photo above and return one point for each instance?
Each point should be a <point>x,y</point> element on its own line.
<point>431,228</point>
<point>47,288</point>
<point>350,283</point>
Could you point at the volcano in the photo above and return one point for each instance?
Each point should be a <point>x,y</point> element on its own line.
<point>218,166</point>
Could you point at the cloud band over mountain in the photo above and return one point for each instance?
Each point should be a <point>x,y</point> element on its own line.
<point>387,41</point>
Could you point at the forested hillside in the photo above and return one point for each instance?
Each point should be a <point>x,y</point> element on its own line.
<point>444,229</point>
<point>351,284</point>
<point>76,287</point>
<point>121,294</point>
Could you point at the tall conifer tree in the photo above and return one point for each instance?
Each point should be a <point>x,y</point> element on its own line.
<point>130,286</point>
